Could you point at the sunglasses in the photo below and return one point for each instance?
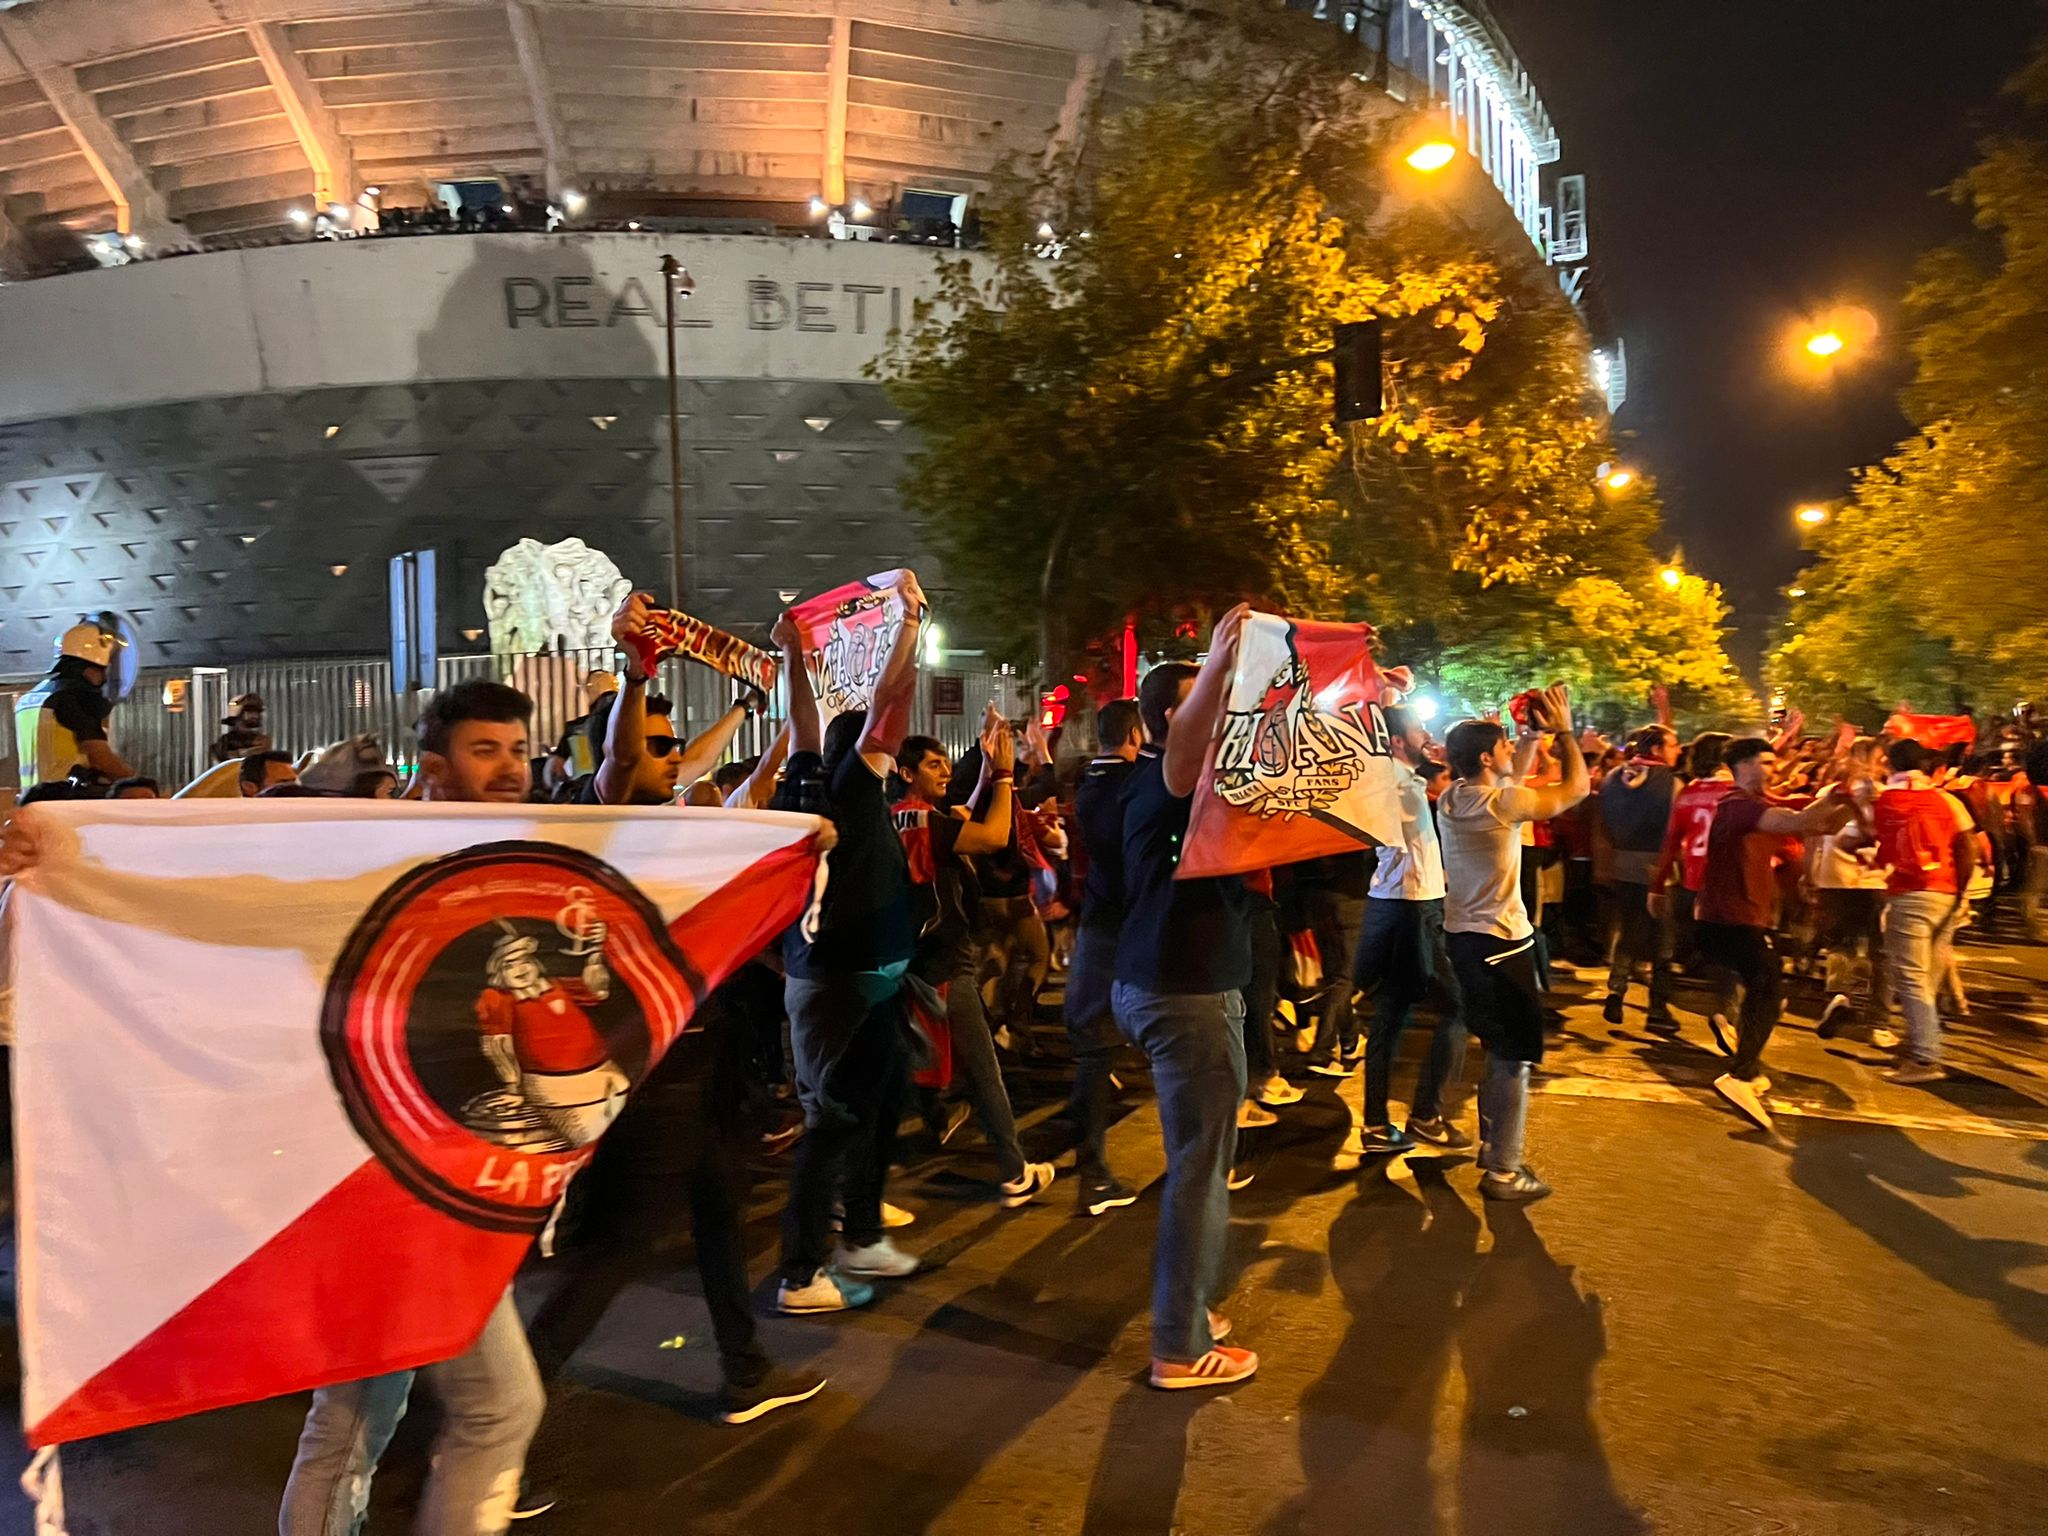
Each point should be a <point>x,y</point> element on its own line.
<point>663,746</point>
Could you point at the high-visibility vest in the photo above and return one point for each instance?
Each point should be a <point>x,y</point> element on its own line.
<point>46,750</point>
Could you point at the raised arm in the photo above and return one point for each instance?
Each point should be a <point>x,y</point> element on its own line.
<point>805,734</point>
<point>1556,799</point>
<point>625,734</point>
<point>758,788</point>
<point>888,710</point>
<point>708,746</point>
<point>1194,723</point>
<point>994,797</point>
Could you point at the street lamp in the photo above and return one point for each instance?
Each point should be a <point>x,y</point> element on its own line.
<point>1825,343</point>
<point>1432,155</point>
<point>1671,576</point>
<point>1619,479</point>
<point>1812,515</point>
<point>676,282</point>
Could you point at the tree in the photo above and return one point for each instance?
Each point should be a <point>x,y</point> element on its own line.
<point>1144,421</point>
<point>1926,586</point>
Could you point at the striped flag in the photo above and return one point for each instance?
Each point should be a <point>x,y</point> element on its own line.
<point>296,1083</point>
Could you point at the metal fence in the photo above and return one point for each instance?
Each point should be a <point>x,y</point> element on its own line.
<point>169,722</point>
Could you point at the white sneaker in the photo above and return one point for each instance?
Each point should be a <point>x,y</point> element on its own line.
<point>1276,1092</point>
<point>1250,1117</point>
<point>1884,1039</point>
<point>824,1293</point>
<point>1034,1181</point>
<point>881,1260</point>
<point>1747,1096</point>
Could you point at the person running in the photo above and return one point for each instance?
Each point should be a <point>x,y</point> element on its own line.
<point>473,749</point>
<point>1402,957</point>
<point>1927,844</point>
<point>843,991</point>
<point>1491,940</point>
<point>1090,1020</point>
<point>1182,961</point>
<point>937,842</point>
<point>1737,909</point>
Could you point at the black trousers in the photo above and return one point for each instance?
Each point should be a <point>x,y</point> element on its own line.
<point>680,1148</point>
<point>1752,955</point>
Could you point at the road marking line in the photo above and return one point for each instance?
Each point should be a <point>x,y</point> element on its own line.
<point>1672,1093</point>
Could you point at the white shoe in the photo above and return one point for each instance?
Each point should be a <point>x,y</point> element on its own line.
<point>1250,1117</point>
<point>1276,1092</point>
<point>1884,1039</point>
<point>1747,1096</point>
<point>824,1293</point>
<point>1034,1181</point>
<point>881,1260</point>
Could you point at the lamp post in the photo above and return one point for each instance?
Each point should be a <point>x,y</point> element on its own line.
<point>675,279</point>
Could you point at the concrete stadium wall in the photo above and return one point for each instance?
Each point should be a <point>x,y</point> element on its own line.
<point>227,448</point>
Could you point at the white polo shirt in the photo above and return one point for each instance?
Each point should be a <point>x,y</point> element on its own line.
<point>1413,871</point>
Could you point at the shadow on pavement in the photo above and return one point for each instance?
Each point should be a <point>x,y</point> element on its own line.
<point>1861,1179</point>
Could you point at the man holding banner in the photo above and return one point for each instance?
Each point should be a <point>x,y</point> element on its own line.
<point>1183,958</point>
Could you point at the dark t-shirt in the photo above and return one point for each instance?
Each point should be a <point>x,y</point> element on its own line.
<point>1739,888</point>
<point>81,709</point>
<point>1099,813</point>
<point>943,898</point>
<point>864,923</point>
<point>1179,936</point>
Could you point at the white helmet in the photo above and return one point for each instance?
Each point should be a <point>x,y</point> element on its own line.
<point>87,641</point>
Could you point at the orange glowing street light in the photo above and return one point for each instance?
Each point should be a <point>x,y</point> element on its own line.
<point>1432,155</point>
<point>1825,343</point>
<point>1812,516</point>
<point>1671,576</point>
<point>1619,479</point>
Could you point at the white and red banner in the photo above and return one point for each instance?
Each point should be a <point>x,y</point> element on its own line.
<point>1300,766</point>
<point>296,1083</point>
<point>847,633</point>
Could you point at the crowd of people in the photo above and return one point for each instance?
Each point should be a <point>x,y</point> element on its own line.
<point>957,889</point>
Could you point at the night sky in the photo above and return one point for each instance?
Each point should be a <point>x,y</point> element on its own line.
<point>1750,161</point>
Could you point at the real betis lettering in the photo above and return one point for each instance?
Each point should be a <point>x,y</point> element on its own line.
<point>583,302</point>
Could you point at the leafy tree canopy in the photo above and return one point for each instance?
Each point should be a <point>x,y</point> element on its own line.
<point>1928,583</point>
<point>1145,418</point>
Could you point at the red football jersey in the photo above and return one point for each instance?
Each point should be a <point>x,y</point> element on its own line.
<point>1685,842</point>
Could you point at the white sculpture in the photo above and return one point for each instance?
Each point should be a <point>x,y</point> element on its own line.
<point>551,597</point>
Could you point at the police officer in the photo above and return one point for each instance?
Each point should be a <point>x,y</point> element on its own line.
<point>61,724</point>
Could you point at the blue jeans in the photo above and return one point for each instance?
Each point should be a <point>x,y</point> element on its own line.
<point>1091,1029</point>
<point>1401,956</point>
<point>492,1400</point>
<point>1919,927</point>
<point>1196,1043</point>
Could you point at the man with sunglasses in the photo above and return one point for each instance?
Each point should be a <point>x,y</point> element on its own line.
<point>643,759</point>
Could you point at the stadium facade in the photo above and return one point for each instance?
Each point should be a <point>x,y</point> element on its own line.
<point>226,447</point>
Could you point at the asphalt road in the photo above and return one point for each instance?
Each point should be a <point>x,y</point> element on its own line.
<point>1841,1328</point>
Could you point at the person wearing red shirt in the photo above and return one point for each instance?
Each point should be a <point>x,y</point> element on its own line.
<point>1927,844</point>
<point>1684,858</point>
<point>1737,907</point>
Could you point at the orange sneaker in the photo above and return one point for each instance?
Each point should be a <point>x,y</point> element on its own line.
<point>1221,1367</point>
